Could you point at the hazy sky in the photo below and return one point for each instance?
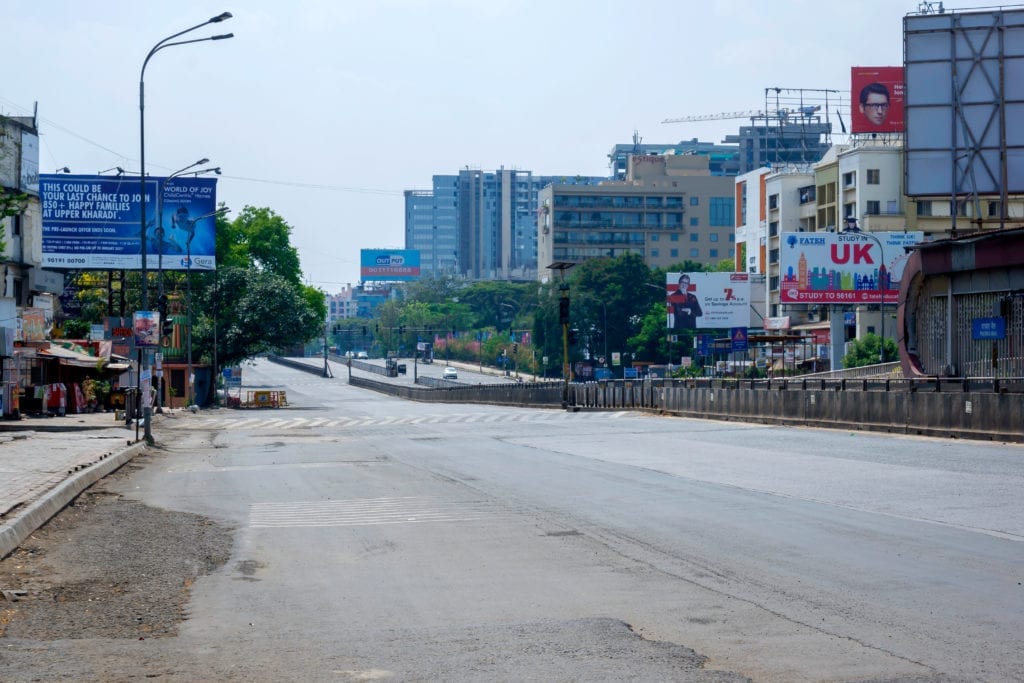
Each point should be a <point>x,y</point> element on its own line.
<point>325,111</point>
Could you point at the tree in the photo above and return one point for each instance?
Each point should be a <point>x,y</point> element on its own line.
<point>866,351</point>
<point>10,205</point>
<point>260,239</point>
<point>256,301</point>
<point>255,312</point>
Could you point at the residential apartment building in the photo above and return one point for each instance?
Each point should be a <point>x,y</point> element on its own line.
<point>479,224</point>
<point>669,209</point>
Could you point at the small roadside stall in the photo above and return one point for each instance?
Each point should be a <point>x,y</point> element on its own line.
<point>61,377</point>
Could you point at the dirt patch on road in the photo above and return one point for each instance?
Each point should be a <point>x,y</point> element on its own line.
<point>107,567</point>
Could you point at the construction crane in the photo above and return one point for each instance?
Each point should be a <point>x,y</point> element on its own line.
<point>777,114</point>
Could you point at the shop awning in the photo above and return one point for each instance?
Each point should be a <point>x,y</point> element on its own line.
<point>78,359</point>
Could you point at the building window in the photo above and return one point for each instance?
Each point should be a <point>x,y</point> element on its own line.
<point>773,228</point>
<point>721,212</point>
<point>850,179</point>
<point>694,221</point>
<point>849,210</point>
<point>674,237</point>
<point>807,194</point>
<point>874,176</point>
<point>695,253</point>
<point>674,253</point>
<point>924,208</point>
<point>873,207</point>
<point>695,237</point>
<point>773,201</point>
<point>713,237</point>
<point>773,282</point>
<point>654,253</point>
<point>654,237</point>
<point>995,209</point>
<point>695,201</point>
<point>961,207</point>
<point>16,225</point>
<point>713,253</point>
<point>673,220</point>
<point>773,256</point>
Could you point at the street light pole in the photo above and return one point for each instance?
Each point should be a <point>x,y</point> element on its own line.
<point>188,297</point>
<point>144,288</point>
<point>159,233</point>
<point>851,226</point>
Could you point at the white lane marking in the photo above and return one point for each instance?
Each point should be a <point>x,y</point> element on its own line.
<point>363,512</point>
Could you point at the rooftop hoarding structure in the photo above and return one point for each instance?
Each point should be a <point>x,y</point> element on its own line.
<point>877,99</point>
<point>965,103</point>
<point>92,222</point>
<point>707,300</point>
<point>843,268</point>
<point>389,265</point>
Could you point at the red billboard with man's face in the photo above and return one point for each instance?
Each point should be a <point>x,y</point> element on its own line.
<point>877,99</point>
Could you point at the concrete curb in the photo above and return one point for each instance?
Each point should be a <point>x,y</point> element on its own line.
<point>26,522</point>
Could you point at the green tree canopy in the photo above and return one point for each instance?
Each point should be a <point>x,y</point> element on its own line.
<point>867,351</point>
<point>255,312</point>
<point>258,238</point>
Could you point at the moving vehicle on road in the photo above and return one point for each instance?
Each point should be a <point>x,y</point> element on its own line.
<point>450,373</point>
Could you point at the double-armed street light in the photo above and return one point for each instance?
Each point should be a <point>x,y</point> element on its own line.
<point>166,42</point>
<point>142,127</point>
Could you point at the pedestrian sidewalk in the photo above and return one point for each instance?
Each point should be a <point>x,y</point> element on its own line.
<point>45,462</point>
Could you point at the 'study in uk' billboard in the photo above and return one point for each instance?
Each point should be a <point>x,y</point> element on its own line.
<point>843,268</point>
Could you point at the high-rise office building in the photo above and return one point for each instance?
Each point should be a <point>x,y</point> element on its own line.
<point>480,225</point>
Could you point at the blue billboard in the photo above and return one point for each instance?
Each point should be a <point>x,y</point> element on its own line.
<point>92,222</point>
<point>389,264</point>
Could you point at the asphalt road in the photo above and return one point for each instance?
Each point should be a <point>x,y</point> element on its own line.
<point>378,538</point>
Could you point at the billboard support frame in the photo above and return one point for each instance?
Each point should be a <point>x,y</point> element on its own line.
<point>965,127</point>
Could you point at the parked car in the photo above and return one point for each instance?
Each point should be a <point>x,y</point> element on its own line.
<point>450,373</point>
<point>362,354</point>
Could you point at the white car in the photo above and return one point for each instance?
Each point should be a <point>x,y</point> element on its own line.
<point>450,373</point>
<point>362,355</point>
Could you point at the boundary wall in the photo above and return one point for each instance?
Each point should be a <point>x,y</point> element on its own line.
<point>990,409</point>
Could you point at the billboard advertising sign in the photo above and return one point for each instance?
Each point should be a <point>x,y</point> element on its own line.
<point>707,300</point>
<point>877,94</point>
<point>29,163</point>
<point>843,268</point>
<point>92,222</point>
<point>965,102</point>
<point>389,264</point>
<point>146,328</point>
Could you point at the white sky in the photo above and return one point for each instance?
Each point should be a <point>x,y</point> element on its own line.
<point>326,110</point>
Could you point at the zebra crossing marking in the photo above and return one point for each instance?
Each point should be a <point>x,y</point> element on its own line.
<point>268,422</point>
<point>364,512</point>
